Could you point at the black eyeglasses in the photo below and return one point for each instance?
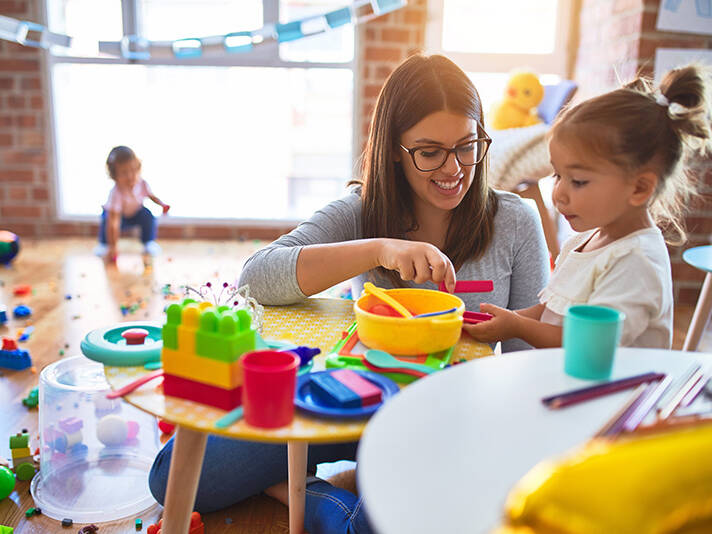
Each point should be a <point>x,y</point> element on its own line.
<point>431,157</point>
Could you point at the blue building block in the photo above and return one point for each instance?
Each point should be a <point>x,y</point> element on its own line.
<point>15,359</point>
<point>22,311</point>
<point>3,314</point>
<point>331,392</point>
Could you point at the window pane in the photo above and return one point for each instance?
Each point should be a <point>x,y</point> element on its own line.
<point>252,143</point>
<point>87,22</point>
<point>334,45</point>
<point>511,27</point>
<point>166,20</point>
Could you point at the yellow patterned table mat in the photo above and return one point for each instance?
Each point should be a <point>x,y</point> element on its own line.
<point>316,322</point>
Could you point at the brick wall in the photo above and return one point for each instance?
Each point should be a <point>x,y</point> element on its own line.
<point>618,39</point>
<point>383,43</point>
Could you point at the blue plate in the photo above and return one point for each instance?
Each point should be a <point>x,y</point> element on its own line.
<point>304,400</point>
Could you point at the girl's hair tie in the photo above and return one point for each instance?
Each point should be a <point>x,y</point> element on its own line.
<point>662,100</point>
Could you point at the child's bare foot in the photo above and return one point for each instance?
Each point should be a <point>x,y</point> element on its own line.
<point>345,480</point>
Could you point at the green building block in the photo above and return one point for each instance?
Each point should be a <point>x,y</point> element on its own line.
<point>25,471</point>
<point>29,512</point>
<point>20,441</point>
<point>139,524</point>
<point>224,336</point>
<point>6,530</point>
<point>32,399</point>
<point>169,332</point>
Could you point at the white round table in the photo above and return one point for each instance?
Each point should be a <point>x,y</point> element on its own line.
<point>443,454</point>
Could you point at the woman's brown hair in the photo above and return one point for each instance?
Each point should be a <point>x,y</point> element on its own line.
<point>118,156</point>
<point>638,125</point>
<point>418,87</point>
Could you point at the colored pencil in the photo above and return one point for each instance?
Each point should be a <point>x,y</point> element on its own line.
<point>648,404</point>
<point>667,409</point>
<point>621,411</point>
<point>568,398</point>
<point>695,391</point>
<point>679,382</point>
<point>617,426</point>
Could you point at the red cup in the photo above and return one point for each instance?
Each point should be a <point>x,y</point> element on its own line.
<point>269,381</point>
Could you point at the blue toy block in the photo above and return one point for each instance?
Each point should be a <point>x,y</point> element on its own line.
<point>22,311</point>
<point>3,314</point>
<point>15,359</point>
<point>331,392</point>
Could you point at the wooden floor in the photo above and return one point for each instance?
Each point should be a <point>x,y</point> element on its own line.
<point>58,269</point>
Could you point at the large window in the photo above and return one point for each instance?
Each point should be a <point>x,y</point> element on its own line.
<point>490,39</point>
<point>259,135</point>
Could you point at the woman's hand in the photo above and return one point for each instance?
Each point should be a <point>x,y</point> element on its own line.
<point>417,261</point>
<point>503,325</point>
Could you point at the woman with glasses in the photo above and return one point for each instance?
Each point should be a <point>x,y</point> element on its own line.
<point>421,214</point>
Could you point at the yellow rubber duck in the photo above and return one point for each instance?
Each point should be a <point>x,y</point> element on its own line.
<point>518,109</point>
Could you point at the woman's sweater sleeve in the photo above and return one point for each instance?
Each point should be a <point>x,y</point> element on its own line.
<point>271,272</point>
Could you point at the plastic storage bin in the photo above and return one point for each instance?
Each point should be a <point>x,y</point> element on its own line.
<point>95,453</point>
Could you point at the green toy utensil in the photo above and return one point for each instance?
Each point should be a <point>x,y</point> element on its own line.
<point>381,358</point>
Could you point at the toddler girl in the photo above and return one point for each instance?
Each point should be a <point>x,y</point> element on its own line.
<point>617,161</point>
<point>125,208</point>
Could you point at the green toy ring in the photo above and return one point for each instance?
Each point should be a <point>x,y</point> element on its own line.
<point>107,346</point>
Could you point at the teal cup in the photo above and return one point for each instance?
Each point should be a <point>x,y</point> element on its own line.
<point>591,335</point>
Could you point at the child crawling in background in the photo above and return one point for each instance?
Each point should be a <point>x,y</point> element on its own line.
<point>124,208</point>
<point>618,163</point>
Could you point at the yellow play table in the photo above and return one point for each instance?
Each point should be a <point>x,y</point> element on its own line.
<point>317,322</point>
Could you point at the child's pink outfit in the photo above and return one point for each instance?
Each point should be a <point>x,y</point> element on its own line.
<point>128,202</point>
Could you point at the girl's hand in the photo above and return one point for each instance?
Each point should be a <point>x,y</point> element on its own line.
<point>503,325</point>
<point>166,207</point>
<point>417,261</point>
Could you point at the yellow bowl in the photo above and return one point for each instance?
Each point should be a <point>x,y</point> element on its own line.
<point>398,335</point>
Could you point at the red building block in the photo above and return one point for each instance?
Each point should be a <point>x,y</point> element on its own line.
<point>225,399</point>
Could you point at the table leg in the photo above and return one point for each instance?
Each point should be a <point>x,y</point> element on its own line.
<point>297,465</point>
<point>701,316</point>
<point>183,477</point>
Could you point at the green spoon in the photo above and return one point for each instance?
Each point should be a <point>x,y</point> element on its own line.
<point>381,358</point>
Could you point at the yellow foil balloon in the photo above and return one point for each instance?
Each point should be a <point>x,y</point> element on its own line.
<point>654,483</point>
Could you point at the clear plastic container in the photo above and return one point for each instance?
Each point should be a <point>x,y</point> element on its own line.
<point>95,453</point>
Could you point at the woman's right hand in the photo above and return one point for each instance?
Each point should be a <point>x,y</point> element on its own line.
<point>417,261</point>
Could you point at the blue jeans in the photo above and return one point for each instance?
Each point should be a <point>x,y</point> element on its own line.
<point>143,218</point>
<point>234,470</point>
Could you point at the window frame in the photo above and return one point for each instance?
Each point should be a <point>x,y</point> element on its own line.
<point>263,55</point>
<point>555,63</point>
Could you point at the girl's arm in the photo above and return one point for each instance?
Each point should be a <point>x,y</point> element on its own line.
<point>158,201</point>
<point>522,324</point>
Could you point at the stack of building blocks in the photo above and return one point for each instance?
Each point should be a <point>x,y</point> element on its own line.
<point>201,348</point>
<point>22,462</point>
<point>345,389</point>
<point>11,357</point>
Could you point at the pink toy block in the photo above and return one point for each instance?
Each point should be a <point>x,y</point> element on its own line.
<point>369,393</point>
<point>71,424</point>
<point>225,399</point>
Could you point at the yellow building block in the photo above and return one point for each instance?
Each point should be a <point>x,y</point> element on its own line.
<point>190,322</point>
<point>201,369</point>
<point>20,453</point>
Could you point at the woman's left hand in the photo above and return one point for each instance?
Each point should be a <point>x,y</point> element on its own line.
<point>503,325</point>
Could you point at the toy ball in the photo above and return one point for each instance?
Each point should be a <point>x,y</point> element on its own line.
<point>9,246</point>
<point>7,482</point>
<point>112,430</point>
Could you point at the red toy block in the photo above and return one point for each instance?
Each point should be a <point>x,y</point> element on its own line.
<point>225,399</point>
<point>9,344</point>
<point>22,290</point>
<point>196,525</point>
<point>369,393</point>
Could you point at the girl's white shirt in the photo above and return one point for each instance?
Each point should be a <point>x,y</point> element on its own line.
<point>631,275</point>
<point>128,202</point>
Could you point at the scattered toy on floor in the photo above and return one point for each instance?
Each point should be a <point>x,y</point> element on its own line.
<point>66,522</point>
<point>32,399</point>
<point>7,482</point>
<point>22,311</point>
<point>196,526</point>
<point>11,357</point>
<point>22,290</point>
<point>23,464</point>
<point>9,246</point>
